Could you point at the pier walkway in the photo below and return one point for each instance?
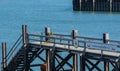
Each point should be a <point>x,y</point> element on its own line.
<point>48,47</point>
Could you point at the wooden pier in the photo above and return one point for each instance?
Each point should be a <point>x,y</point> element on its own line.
<point>85,52</point>
<point>97,5</point>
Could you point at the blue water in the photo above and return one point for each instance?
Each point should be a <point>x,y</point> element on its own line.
<point>56,14</point>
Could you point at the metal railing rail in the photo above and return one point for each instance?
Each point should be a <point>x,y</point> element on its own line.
<point>13,48</point>
<point>82,41</point>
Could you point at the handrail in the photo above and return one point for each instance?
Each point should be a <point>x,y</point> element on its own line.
<point>62,35</point>
<point>51,37</point>
<point>114,41</point>
<point>83,37</point>
<point>90,38</point>
<point>17,43</point>
<point>80,40</point>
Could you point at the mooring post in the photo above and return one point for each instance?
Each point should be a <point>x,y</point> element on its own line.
<point>75,43</point>
<point>106,41</point>
<point>24,34</point>
<point>4,60</point>
<point>47,32</point>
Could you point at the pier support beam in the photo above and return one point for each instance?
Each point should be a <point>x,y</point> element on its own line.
<point>106,41</point>
<point>4,60</point>
<point>26,61</point>
<point>75,62</point>
<point>116,66</point>
<point>106,66</point>
<point>82,63</point>
<point>50,60</point>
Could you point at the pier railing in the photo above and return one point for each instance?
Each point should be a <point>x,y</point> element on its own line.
<point>85,42</point>
<point>63,39</point>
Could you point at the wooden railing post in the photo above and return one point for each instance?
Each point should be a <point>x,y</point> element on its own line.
<point>24,34</point>
<point>75,56</point>
<point>47,32</point>
<point>4,60</point>
<point>25,41</point>
<point>105,40</point>
<point>74,34</point>
<point>74,37</point>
